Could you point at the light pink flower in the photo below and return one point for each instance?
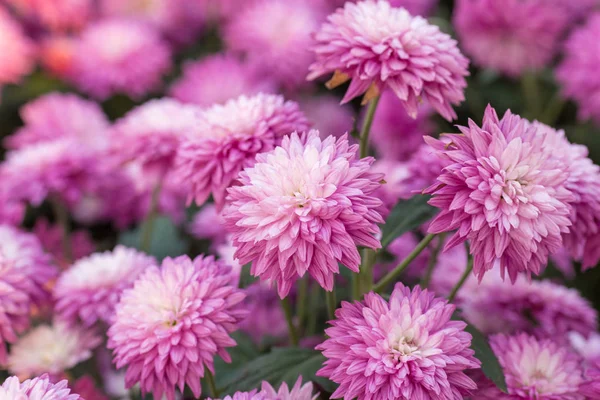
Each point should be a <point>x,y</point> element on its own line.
<point>407,348</point>
<point>227,140</point>
<point>298,391</point>
<point>120,56</point>
<point>51,239</point>
<point>512,36</point>
<point>17,50</point>
<point>37,388</point>
<point>281,47</point>
<point>55,116</point>
<point>91,288</point>
<point>377,46</point>
<point>304,207</point>
<point>218,78</point>
<point>577,74</point>
<point>151,133</point>
<point>504,193</point>
<point>167,339</point>
<point>51,349</point>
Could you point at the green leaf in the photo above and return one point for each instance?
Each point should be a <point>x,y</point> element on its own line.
<point>489,362</point>
<point>246,279</point>
<point>406,216</point>
<point>167,241</point>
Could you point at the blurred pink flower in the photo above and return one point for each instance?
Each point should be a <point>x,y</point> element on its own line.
<point>577,73</point>
<point>503,192</point>
<point>377,47</point>
<point>120,56</point>
<point>265,318</point>
<point>281,47</point>
<point>56,55</point>
<point>396,175</point>
<point>227,140</point>
<point>86,388</point>
<point>217,78</point>
<point>304,207</point>
<point>208,224</point>
<point>267,392</point>
<point>37,388</point>
<point>415,7</point>
<point>511,36</point>
<point>91,288</point>
<point>17,51</point>
<point>407,348</point>
<point>167,339</point>
<point>327,115</point>
<point>51,236</point>
<point>51,349</point>
<point>58,15</point>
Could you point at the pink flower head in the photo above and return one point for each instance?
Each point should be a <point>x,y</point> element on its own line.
<point>252,395</point>
<point>304,207</point>
<point>377,46</point>
<point>298,391</point>
<point>407,348</point>
<point>51,239</point>
<point>536,369</point>
<point>510,36</point>
<point>51,349</point>
<point>39,388</point>
<point>167,339</point>
<point>394,134</point>
<point>504,192</point>
<point>577,73</point>
<point>56,116</point>
<point>280,47</point>
<point>423,168</point>
<point>120,56</point>
<point>228,138</point>
<point>17,50</point>
<point>265,317</point>
<point>218,78</point>
<point>90,290</point>
<point>151,133</point>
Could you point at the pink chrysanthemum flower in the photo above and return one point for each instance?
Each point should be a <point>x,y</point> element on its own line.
<point>327,115</point>
<point>151,133</point>
<point>511,36</point>
<point>218,78</point>
<point>394,134</point>
<point>51,349</point>
<point>60,116</point>
<point>304,207</point>
<point>120,56</point>
<point>39,388</point>
<point>167,339</point>
<point>90,290</point>
<point>252,395</point>
<point>424,167</point>
<point>377,46</point>
<point>17,50</point>
<point>407,348</point>
<point>267,392</point>
<point>577,74</point>
<point>281,47</point>
<point>415,7</point>
<point>228,138</point>
<point>504,192</point>
<point>535,369</point>
<point>265,317</point>
<point>51,239</point>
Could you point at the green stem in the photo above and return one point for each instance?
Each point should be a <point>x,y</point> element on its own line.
<point>366,271</point>
<point>148,225</point>
<point>62,218</point>
<point>462,280</point>
<point>331,303</point>
<point>301,301</point>
<point>396,272</point>
<point>287,311</point>
<point>366,128</point>
<point>432,262</point>
<point>531,92</point>
<point>212,386</point>
<point>554,109</point>
<point>315,300</point>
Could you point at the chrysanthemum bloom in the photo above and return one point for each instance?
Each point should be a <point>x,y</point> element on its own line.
<point>377,46</point>
<point>265,317</point>
<point>167,339</point>
<point>424,167</point>
<point>17,50</point>
<point>40,388</point>
<point>415,7</point>
<point>90,290</point>
<point>281,48</point>
<point>151,133</point>
<point>536,369</point>
<point>327,115</point>
<point>208,224</point>
<point>407,348</point>
<point>178,20</point>
<point>590,388</point>
<point>504,193</point>
<point>120,56</point>
<point>60,116</point>
<point>577,74</point>
<point>394,134</point>
<point>304,207</point>
<point>511,36</point>
<point>51,349</point>
<point>218,78</point>
<point>252,395</point>
<point>228,138</point>
<point>51,239</point>
<point>267,392</point>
